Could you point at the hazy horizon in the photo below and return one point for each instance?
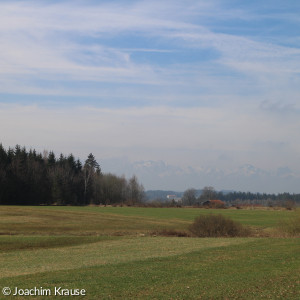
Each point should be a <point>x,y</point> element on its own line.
<point>181,93</point>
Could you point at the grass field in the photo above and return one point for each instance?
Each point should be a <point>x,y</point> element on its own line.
<point>112,253</point>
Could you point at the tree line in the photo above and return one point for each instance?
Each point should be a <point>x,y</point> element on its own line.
<point>197,197</point>
<point>32,178</point>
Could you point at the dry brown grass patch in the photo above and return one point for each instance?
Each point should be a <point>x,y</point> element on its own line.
<point>172,232</point>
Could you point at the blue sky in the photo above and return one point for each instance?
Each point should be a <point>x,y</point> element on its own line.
<point>201,84</point>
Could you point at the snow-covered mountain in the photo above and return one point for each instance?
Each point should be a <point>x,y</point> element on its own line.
<point>160,175</point>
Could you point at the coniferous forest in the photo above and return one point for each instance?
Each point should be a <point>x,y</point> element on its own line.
<point>32,178</point>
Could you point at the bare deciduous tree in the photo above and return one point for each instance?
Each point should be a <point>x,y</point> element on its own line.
<point>189,197</point>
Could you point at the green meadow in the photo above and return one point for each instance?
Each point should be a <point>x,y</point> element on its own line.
<point>119,253</point>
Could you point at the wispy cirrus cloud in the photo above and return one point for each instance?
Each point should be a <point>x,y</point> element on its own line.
<point>80,43</point>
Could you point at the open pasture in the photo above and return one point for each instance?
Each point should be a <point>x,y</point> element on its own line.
<point>111,253</point>
<point>93,220</point>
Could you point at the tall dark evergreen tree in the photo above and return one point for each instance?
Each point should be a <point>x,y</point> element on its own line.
<point>91,170</point>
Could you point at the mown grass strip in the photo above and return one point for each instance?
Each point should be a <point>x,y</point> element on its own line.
<point>260,269</point>
<point>121,249</point>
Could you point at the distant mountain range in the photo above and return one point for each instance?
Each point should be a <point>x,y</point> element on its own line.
<point>158,175</point>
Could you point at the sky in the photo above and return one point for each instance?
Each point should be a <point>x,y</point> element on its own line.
<point>182,93</point>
